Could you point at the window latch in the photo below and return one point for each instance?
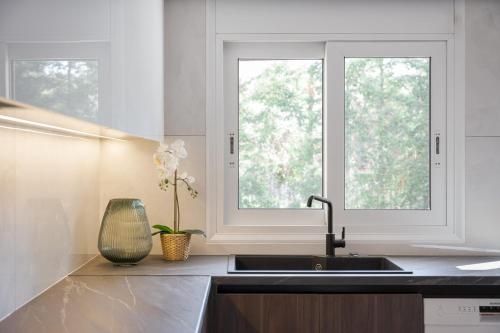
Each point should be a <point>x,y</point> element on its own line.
<point>231,143</point>
<point>437,149</point>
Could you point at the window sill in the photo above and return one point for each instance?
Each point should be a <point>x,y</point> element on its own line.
<point>426,236</point>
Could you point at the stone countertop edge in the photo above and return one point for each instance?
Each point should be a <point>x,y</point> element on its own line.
<point>204,307</point>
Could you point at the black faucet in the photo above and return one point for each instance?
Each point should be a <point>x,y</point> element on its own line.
<point>331,242</point>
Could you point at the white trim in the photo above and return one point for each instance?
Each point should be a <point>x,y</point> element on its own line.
<point>3,70</point>
<point>457,130</point>
<point>212,201</point>
<point>429,236</point>
<point>454,232</point>
<point>330,37</point>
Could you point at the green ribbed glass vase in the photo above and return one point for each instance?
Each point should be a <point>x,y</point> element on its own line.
<point>125,235</point>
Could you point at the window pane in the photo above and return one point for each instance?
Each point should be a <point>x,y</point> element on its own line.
<point>69,87</point>
<point>280,132</point>
<point>387,116</point>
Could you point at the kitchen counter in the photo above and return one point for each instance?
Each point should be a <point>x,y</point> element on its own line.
<point>159,296</point>
<point>115,304</point>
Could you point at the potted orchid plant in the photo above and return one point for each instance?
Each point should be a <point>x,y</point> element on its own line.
<point>175,242</point>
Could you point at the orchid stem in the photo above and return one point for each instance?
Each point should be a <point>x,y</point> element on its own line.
<point>176,205</point>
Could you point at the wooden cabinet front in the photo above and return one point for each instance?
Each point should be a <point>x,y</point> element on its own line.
<point>342,313</point>
<point>267,313</point>
<point>377,313</point>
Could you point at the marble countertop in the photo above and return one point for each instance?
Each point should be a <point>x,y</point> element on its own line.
<point>115,304</point>
<point>160,296</point>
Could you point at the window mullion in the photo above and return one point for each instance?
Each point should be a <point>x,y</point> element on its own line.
<point>334,133</point>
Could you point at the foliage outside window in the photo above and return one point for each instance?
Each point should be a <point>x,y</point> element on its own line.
<point>280,132</point>
<point>387,116</point>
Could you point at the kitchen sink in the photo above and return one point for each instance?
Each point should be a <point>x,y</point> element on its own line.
<point>305,264</point>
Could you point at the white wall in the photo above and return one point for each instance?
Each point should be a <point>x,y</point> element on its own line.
<point>334,16</point>
<point>54,20</point>
<point>185,67</point>
<point>483,116</point>
<point>483,122</point>
<point>49,207</point>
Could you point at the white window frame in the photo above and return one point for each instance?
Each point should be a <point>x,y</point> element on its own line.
<point>264,220</point>
<point>387,219</point>
<point>452,231</point>
<point>16,51</point>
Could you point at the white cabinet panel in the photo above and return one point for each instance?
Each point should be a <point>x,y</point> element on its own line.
<point>3,59</point>
<point>483,67</point>
<point>483,192</point>
<point>70,78</point>
<point>334,16</point>
<point>137,67</point>
<point>109,70</point>
<point>185,67</point>
<point>54,20</point>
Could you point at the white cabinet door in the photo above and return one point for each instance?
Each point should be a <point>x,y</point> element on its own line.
<point>105,66</point>
<point>137,67</point>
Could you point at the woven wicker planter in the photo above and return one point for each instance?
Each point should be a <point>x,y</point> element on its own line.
<point>175,246</point>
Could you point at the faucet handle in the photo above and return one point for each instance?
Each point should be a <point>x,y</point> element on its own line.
<point>343,233</point>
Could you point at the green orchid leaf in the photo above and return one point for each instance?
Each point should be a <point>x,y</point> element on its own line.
<point>193,232</point>
<point>163,229</point>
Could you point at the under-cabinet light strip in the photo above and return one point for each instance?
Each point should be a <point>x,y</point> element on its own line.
<point>54,128</point>
<point>22,129</point>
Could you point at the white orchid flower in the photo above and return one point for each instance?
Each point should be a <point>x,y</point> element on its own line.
<point>171,162</point>
<point>166,163</point>
<point>178,150</point>
<point>166,159</point>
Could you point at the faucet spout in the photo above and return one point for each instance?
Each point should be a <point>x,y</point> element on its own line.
<point>328,203</point>
<point>331,242</point>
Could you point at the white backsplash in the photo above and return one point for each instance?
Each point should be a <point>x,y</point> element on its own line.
<point>49,206</point>
<point>128,170</point>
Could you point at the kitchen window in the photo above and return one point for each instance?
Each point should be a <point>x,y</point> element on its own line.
<point>363,123</point>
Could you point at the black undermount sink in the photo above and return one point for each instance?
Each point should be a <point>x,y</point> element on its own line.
<point>291,264</point>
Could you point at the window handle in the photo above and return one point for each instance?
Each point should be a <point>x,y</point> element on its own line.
<point>437,144</point>
<point>231,143</point>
